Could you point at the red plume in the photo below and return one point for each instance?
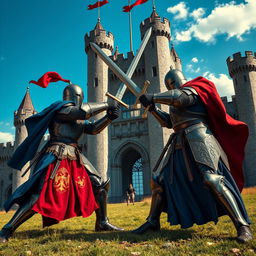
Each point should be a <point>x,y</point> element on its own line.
<point>47,78</point>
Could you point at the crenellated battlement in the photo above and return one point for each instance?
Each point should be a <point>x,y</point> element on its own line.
<point>161,27</point>
<point>238,63</point>
<point>99,36</point>
<point>6,150</point>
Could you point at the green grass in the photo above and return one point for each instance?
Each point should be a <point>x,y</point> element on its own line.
<point>76,236</point>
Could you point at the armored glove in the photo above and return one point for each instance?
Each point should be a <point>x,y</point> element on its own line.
<point>113,110</point>
<point>147,100</point>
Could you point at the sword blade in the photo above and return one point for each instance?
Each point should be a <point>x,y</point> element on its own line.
<point>116,70</point>
<point>134,63</point>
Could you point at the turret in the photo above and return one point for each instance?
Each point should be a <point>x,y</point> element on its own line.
<point>242,70</point>
<point>176,59</point>
<point>158,61</point>
<point>97,87</point>
<point>25,110</point>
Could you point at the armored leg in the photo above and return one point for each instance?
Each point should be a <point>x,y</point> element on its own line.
<point>20,216</point>
<point>102,223</point>
<point>226,198</point>
<point>157,203</point>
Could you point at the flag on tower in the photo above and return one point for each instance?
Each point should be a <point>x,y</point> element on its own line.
<point>97,4</point>
<point>128,8</point>
<point>47,78</point>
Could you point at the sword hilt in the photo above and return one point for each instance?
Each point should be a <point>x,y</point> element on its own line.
<point>143,91</point>
<point>116,99</point>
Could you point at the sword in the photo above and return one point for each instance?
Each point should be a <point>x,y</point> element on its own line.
<point>119,72</point>
<point>122,88</point>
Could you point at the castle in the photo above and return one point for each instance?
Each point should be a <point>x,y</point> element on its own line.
<point>128,149</point>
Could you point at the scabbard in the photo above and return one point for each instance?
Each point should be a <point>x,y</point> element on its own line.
<point>163,153</point>
<point>59,159</point>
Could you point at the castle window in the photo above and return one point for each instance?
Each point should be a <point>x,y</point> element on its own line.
<point>129,99</point>
<point>96,55</point>
<point>154,72</point>
<point>10,177</point>
<point>137,177</point>
<point>96,82</point>
<point>152,44</point>
<point>245,78</point>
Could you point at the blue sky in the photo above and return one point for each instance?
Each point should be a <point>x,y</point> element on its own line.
<point>39,36</point>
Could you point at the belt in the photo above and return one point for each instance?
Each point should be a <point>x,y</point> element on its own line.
<point>182,126</point>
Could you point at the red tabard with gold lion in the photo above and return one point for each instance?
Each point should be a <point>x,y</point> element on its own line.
<point>68,195</point>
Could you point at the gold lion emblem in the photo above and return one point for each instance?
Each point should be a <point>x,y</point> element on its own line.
<point>61,180</point>
<point>80,181</point>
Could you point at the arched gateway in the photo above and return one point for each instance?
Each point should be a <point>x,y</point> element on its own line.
<point>129,165</point>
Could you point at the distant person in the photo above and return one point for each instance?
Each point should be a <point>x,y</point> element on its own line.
<point>130,194</point>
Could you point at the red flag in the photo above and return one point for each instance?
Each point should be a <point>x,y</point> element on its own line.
<point>47,78</point>
<point>128,8</point>
<point>97,4</point>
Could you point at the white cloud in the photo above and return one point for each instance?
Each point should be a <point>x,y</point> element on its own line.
<point>190,68</point>
<point>181,11</point>
<point>198,13</point>
<point>194,60</point>
<point>6,137</point>
<point>222,82</point>
<point>231,19</point>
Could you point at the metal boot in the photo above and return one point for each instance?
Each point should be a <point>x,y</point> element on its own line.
<point>226,198</point>
<point>153,220</point>
<point>102,223</point>
<point>20,216</point>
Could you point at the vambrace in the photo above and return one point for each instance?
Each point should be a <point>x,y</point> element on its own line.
<point>162,117</point>
<point>96,127</point>
<point>92,109</point>
<point>176,98</point>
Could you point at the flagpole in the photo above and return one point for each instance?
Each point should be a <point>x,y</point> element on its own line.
<point>130,26</point>
<point>98,11</point>
<point>153,5</point>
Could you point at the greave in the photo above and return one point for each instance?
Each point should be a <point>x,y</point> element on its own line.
<point>156,208</point>
<point>225,197</point>
<point>102,223</point>
<point>20,216</point>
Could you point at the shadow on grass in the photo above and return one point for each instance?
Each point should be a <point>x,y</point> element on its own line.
<point>67,234</point>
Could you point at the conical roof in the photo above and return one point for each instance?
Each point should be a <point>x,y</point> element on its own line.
<point>26,103</point>
<point>116,53</point>
<point>154,14</point>
<point>98,26</point>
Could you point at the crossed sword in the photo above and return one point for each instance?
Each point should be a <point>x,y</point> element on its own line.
<point>126,78</point>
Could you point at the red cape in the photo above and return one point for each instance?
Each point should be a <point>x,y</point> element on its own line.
<point>231,134</point>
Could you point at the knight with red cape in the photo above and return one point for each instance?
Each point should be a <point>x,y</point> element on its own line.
<point>201,175</point>
<point>63,183</point>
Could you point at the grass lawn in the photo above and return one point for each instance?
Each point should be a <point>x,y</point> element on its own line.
<point>76,236</point>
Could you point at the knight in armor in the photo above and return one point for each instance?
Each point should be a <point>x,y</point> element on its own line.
<point>201,174</point>
<point>63,184</point>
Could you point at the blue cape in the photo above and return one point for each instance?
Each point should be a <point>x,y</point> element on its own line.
<point>36,126</point>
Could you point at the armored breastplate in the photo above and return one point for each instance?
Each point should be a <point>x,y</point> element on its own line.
<point>66,131</point>
<point>179,116</point>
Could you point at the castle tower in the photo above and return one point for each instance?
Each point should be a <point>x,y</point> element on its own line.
<point>243,72</point>
<point>25,110</point>
<point>176,59</point>
<point>158,61</point>
<point>97,151</point>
